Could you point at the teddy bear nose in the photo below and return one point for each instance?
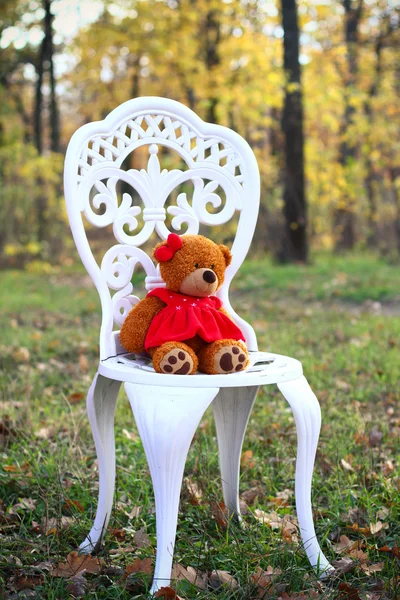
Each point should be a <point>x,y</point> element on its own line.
<point>209,276</point>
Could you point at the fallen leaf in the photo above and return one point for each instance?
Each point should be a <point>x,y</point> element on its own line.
<point>343,566</point>
<point>246,460</point>
<point>24,582</point>
<point>23,504</point>
<point>218,512</point>
<point>395,551</point>
<point>141,539</point>
<point>346,465</point>
<point>53,525</point>
<point>371,569</point>
<point>77,563</point>
<point>377,527</point>
<point>118,533</point>
<point>219,579</point>
<point>193,490</point>
<point>264,579</point>
<point>251,494</point>
<point>167,593</point>
<point>139,566</point>
<point>73,505</point>
<point>76,585</point>
<point>83,364</point>
<point>345,545</point>
<point>76,397</point>
<point>180,573</point>
<point>375,437</point>
<point>348,592</point>
<point>21,355</point>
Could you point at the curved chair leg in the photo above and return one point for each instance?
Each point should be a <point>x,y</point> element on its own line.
<point>307,415</point>
<point>100,403</point>
<point>232,408</point>
<point>167,419</point>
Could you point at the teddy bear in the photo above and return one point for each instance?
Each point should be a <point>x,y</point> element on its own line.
<point>184,327</point>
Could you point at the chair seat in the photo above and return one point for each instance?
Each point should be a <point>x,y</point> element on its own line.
<point>265,368</point>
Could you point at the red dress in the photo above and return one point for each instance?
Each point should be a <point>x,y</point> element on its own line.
<point>187,316</point>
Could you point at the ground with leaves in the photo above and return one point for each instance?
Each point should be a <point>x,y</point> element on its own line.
<point>340,317</point>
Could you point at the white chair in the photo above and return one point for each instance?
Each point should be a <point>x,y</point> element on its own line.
<point>168,408</point>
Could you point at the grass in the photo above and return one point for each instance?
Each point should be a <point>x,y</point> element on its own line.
<point>326,315</point>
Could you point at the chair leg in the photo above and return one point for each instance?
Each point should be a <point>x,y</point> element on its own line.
<point>232,408</point>
<point>167,418</point>
<point>100,403</point>
<point>307,415</point>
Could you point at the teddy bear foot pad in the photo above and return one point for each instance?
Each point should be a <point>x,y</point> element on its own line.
<point>230,359</point>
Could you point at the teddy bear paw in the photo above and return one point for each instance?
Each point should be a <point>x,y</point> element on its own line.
<point>230,359</point>
<point>175,360</point>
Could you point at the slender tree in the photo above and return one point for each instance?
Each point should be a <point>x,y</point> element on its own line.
<point>295,246</point>
<point>344,218</point>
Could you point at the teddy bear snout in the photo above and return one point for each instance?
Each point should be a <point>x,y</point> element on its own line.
<point>209,276</point>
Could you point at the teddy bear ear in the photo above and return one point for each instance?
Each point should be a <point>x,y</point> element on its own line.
<point>227,254</point>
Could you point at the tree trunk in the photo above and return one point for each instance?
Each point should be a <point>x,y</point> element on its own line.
<point>37,117</point>
<point>295,246</point>
<point>54,114</point>
<point>212,36</point>
<point>344,220</point>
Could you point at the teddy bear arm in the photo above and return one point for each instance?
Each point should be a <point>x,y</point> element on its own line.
<point>136,325</point>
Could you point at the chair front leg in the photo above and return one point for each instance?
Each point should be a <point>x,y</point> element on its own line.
<point>307,415</point>
<point>232,408</point>
<point>167,418</point>
<point>100,404</point>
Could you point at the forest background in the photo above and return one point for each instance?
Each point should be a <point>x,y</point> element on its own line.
<point>313,87</point>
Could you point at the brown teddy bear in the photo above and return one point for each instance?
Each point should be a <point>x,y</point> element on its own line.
<point>183,326</point>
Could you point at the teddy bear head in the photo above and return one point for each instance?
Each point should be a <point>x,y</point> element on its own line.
<point>192,264</point>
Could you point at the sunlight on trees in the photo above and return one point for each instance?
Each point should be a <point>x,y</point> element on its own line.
<point>63,63</point>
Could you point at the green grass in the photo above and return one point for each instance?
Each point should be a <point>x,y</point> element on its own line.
<point>350,353</point>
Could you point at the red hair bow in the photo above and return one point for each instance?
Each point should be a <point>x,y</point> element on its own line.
<point>166,252</point>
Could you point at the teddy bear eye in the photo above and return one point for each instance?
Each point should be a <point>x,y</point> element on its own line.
<point>212,266</point>
<point>196,265</point>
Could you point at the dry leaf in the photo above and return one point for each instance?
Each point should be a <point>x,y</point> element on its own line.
<point>76,397</point>
<point>21,355</point>
<point>73,505</point>
<point>349,593</point>
<point>345,545</point>
<point>179,573</point>
<point>77,563</point>
<point>264,579</point>
<point>377,527</point>
<point>218,511</point>
<point>53,525</point>
<point>141,539</point>
<point>167,593</point>
<point>76,585</point>
<point>23,504</point>
<point>220,579</point>
<point>343,566</point>
<point>251,494</point>
<point>195,493</point>
<point>83,363</point>
<point>246,460</point>
<point>28,582</point>
<point>139,566</point>
<point>371,569</point>
<point>395,551</point>
<point>118,533</point>
<point>375,437</point>
<point>346,466</point>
